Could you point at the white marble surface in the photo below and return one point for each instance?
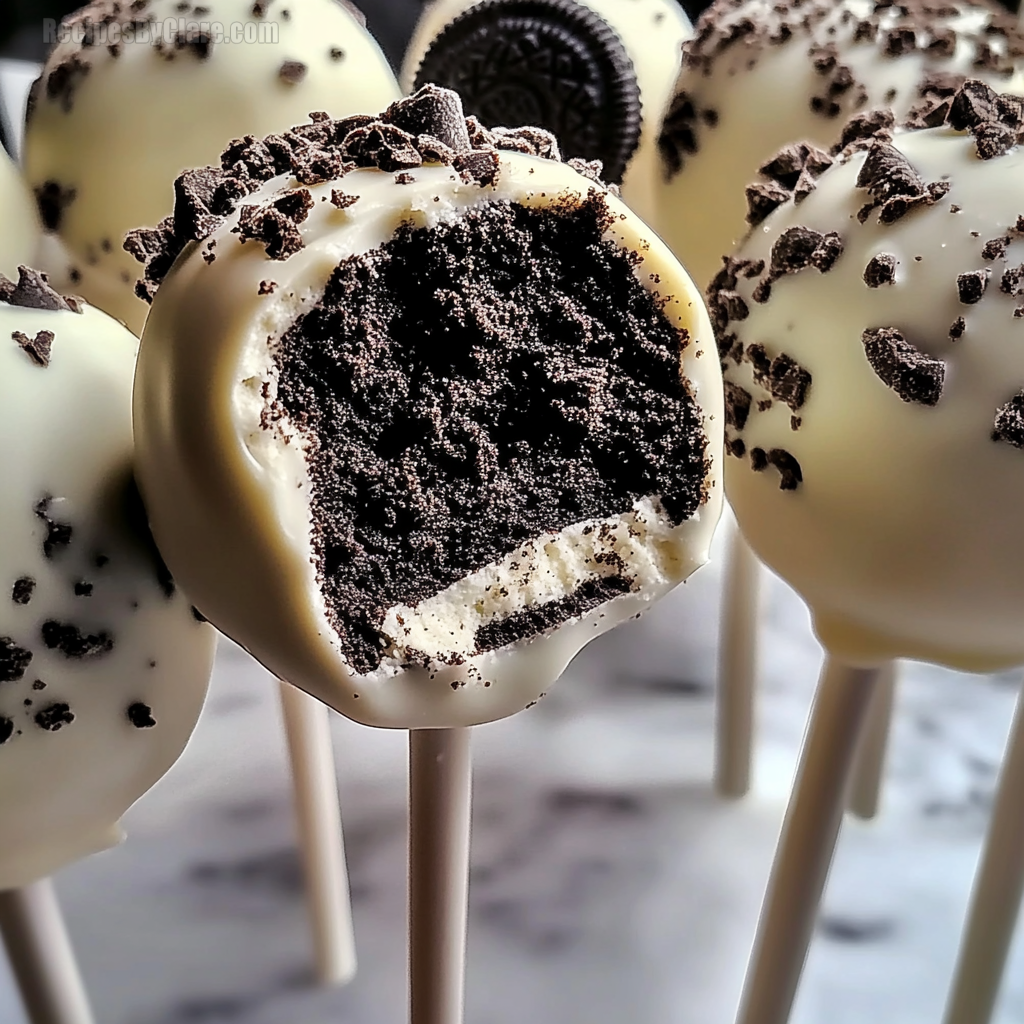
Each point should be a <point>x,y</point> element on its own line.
<point>608,884</point>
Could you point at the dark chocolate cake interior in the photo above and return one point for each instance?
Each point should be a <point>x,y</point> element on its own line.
<point>475,385</point>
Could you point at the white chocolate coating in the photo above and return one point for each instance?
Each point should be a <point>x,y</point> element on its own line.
<point>19,226</point>
<point>904,536</point>
<point>66,434</point>
<point>761,94</point>
<point>229,496</point>
<point>138,120</point>
<point>652,32</point>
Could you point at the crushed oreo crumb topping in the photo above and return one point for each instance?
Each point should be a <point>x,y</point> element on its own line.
<point>292,71</point>
<point>21,592</point>
<point>970,287</point>
<point>881,269</point>
<point>54,716</point>
<point>13,660</point>
<point>33,292</point>
<point>428,126</point>
<point>37,348</point>
<point>140,715</point>
<point>73,642</point>
<point>1009,422</point>
<point>913,375</point>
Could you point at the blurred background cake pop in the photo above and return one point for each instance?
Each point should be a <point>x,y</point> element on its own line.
<point>132,96</point>
<point>19,224</point>
<point>757,76</point>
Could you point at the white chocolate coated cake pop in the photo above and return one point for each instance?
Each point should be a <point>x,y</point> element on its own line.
<point>418,494</point>
<point>757,76</point>
<point>875,389</point>
<point>497,64</point>
<point>103,664</point>
<point>19,225</point>
<point>136,94</point>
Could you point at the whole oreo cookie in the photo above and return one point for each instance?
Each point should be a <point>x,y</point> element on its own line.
<point>554,64</point>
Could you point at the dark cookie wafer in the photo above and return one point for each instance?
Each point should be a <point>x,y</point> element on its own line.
<point>499,56</point>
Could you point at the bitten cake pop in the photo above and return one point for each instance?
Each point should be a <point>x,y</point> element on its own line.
<point>758,76</point>
<point>449,409</point>
<point>19,226</point>
<point>103,665</point>
<point>617,66</point>
<point>413,515</point>
<point>133,94</point>
<point>875,421</point>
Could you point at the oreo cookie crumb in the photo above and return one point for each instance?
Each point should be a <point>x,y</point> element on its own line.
<point>1012,281</point>
<point>14,660</point>
<point>914,376</point>
<point>292,71</point>
<point>37,348</point>
<point>881,269</point>
<point>58,535</point>
<point>788,381</point>
<point>83,589</point>
<point>530,622</point>
<point>341,200</point>
<point>33,292</point>
<point>54,717</point>
<point>737,405</point>
<point>53,199</point>
<point>267,288</point>
<point>970,287</point>
<point>336,53</point>
<point>140,715</point>
<point>956,330</point>
<point>536,386</point>
<point>72,642</point>
<point>1009,422</point>
<point>21,592</point>
<point>995,248</point>
<point>895,185</point>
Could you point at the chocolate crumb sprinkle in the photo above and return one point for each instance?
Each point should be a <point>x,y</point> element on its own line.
<point>1009,422</point>
<point>72,642</point>
<point>292,72</point>
<point>971,286</point>
<point>913,375</point>
<point>14,660</point>
<point>37,348</point>
<point>54,717</point>
<point>21,592</point>
<point>957,328</point>
<point>881,269</point>
<point>140,715</point>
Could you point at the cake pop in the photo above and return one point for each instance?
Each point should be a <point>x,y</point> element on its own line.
<point>758,76</point>
<point>133,94</point>
<point>868,331</point>
<point>103,664</point>
<point>441,484</point>
<point>618,65</point>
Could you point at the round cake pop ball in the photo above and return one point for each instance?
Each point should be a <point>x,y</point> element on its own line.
<point>617,63</point>
<point>19,226</point>
<point>758,76</point>
<point>875,390</point>
<point>417,426</point>
<point>103,664</point>
<point>135,94</point>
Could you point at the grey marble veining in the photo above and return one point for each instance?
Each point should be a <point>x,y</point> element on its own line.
<point>608,884</point>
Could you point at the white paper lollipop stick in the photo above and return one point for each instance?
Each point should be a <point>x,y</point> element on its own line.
<point>321,843</point>
<point>737,669</point>
<point>869,769</point>
<point>41,956</point>
<point>809,834</point>
<point>995,901</point>
<point>440,798</point>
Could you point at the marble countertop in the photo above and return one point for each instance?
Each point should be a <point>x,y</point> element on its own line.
<point>608,884</point>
